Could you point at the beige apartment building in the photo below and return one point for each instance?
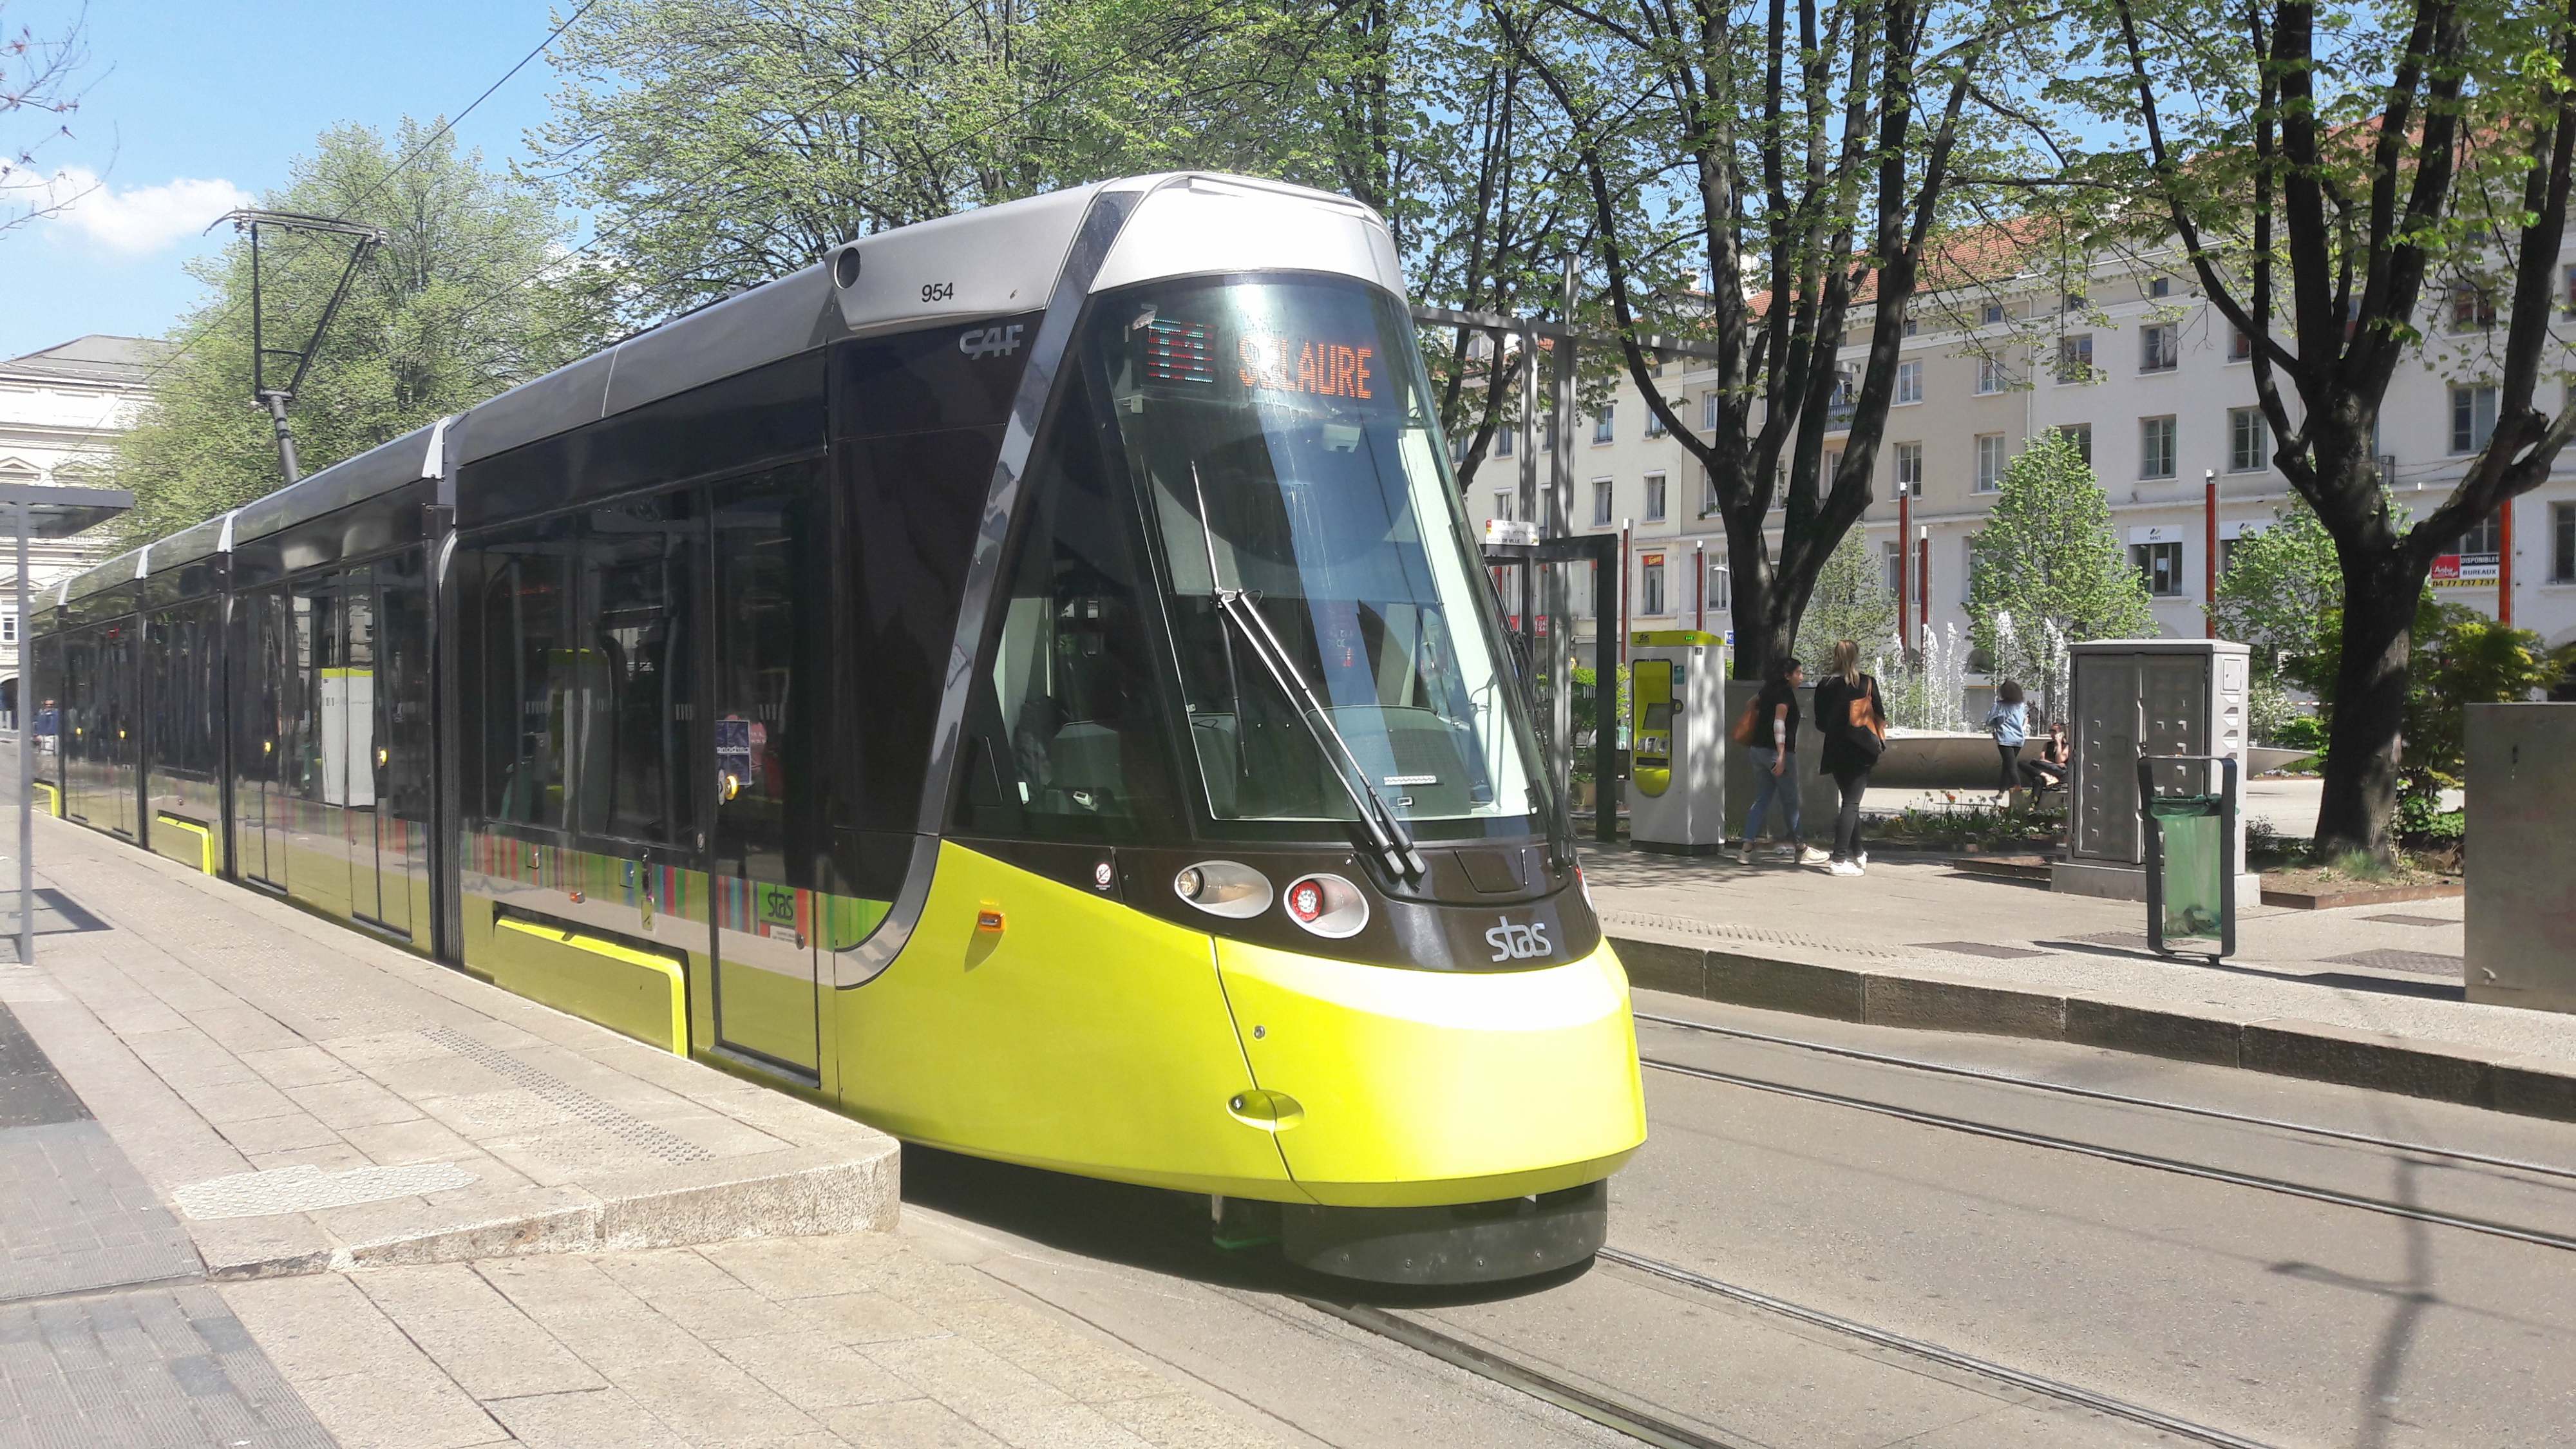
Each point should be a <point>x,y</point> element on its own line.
<point>2149,379</point>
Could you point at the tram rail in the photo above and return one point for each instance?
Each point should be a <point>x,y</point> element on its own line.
<point>2153,1161</point>
<point>1649,1426</point>
<point>2095,1094</point>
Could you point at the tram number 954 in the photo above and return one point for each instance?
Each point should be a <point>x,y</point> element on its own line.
<point>938,291</point>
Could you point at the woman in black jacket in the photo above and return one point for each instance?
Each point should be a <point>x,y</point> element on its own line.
<point>1853,715</point>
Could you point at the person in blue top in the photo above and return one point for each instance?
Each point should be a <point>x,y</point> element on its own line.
<point>2009,723</point>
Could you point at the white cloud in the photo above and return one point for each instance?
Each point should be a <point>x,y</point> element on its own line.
<point>144,218</point>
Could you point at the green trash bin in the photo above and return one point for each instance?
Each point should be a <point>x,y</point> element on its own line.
<point>2191,852</point>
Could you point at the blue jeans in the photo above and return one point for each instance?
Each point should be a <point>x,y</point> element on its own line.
<point>1766,785</point>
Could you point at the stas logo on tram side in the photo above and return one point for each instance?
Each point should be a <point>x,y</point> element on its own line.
<point>1518,943</point>
<point>983,342</point>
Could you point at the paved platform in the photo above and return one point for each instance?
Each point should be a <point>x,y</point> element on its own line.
<point>2369,996</point>
<point>307,1097</point>
<point>264,1181</point>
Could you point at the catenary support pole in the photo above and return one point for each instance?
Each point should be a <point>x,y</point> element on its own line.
<point>2504,563</point>
<point>1624,540</point>
<point>26,755</point>
<point>1923,581</point>
<point>1904,569</point>
<point>1699,581</point>
<point>2209,549</point>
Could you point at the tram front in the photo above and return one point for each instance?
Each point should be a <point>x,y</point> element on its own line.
<point>1244,637</point>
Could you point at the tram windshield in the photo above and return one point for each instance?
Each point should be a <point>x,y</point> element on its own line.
<point>1297,410</point>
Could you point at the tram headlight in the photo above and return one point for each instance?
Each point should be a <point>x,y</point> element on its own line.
<point>1327,905</point>
<point>1224,888</point>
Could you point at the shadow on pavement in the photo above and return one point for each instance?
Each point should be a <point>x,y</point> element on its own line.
<point>1145,1227</point>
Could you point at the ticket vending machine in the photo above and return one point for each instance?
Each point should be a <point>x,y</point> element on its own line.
<point>1676,741</point>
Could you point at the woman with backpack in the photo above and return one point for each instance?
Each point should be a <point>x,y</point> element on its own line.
<point>1853,716</point>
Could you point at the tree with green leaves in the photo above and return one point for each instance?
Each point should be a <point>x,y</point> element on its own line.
<point>2279,585</point>
<point>2343,184</point>
<point>1851,601</point>
<point>1774,180</point>
<point>2048,571</point>
<point>453,308</point>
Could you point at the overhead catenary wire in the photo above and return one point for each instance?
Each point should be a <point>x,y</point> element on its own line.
<point>400,165</point>
<point>683,187</point>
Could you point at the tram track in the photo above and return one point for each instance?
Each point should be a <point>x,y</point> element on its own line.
<point>2095,1094</point>
<point>1649,1426</point>
<point>2152,1161</point>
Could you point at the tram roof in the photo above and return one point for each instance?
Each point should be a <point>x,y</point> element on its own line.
<point>993,261</point>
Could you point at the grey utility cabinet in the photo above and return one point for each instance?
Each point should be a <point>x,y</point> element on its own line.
<point>2521,865</point>
<point>2138,697</point>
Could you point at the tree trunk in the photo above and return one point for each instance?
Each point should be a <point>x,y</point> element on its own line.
<point>2365,739</point>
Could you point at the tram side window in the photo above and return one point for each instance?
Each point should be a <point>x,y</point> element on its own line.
<point>1070,738</point>
<point>639,640</point>
<point>525,672</point>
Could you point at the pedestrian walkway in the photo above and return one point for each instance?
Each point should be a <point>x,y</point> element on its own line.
<point>264,1180</point>
<point>2367,994</point>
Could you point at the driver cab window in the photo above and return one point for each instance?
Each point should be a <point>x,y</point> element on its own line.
<point>1066,728</point>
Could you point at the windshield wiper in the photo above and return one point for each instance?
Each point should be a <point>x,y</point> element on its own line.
<point>1377,820</point>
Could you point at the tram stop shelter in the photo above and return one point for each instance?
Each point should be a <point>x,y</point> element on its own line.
<point>41,510</point>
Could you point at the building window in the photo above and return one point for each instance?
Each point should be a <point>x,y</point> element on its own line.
<point>1968,568</point>
<point>1909,469</point>
<point>1708,412</point>
<point>2160,286</point>
<point>1909,382</point>
<point>1994,312</point>
<point>1654,497</point>
<point>2075,358</point>
<point>1503,506</point>
<point>1832,465</point>
<point>2248,440</point>
<point>1602,429</point>
<point>8,628</point>
<point>2240,347</point>
<point>2159,348</point>
<point>1992,375</point>
<point>2562,543</point>
<point>1892,558</point>
<point>1651,589</point>
<point>1707,491</point>
<point>2484,536</point>
<point>2074,303</point>
<point>1503,442</point>
<point>1990,462</point>
<point>2472,309</point>
<point>1600,503</point>
<point>2081,435</point>
<point>1655,424</point>
<point>1912,326</point>
<point>2156,447</point>
<point>2473,411</point>
<point>2160,564</point>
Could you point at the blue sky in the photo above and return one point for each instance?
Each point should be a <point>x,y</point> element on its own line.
<point>194,101</point>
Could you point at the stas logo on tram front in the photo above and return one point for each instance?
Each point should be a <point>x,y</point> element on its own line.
<point>1518,943</point>
<point>982,342</point>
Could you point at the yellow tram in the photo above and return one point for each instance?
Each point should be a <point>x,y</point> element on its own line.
<point>1025,680</point>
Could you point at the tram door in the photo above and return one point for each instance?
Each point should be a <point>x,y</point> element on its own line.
<point>391,742</point>
<point>768,535</point>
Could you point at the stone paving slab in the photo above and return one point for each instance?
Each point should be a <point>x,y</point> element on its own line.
<point>865,1339</point>
<point>2343,996</point>
<point>311,1098</point>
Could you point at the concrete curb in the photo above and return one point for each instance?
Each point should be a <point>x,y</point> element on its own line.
<point>2283,1046</point>
<point>797,1193</point>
